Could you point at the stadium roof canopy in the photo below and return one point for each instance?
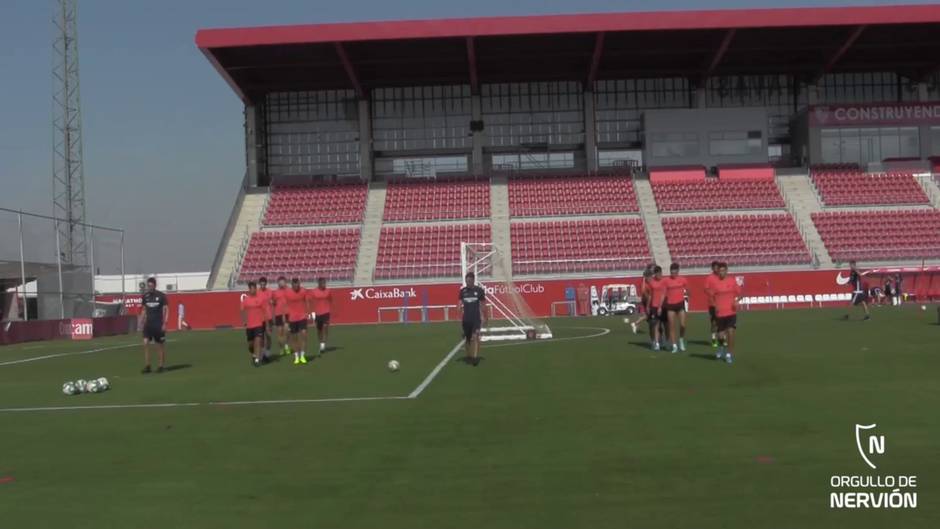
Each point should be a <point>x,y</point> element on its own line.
<point>586,47</point>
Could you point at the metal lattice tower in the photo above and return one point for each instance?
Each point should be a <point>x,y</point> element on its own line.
<point>68,179</point>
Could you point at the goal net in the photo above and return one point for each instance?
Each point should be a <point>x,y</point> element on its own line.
<point>510,317</point>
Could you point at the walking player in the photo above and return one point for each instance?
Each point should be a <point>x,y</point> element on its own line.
<point>155,312</point>
<point>255,319</point>
<point>322,303</point>
<point>472,306</point>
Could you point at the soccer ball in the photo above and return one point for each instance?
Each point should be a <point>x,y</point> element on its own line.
<point>393,365</point>
<point>69,388</point>
<point>923,307</point>
<point>81,386</point>
<point>104,384</point>
<point>92,386</point>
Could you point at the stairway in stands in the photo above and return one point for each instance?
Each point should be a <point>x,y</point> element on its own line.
<point>653,222</point>
<point>247,222</point>
<point>499,226</point>
<point>931,186</point>
<point>802,201</point>
<point>371,230</point>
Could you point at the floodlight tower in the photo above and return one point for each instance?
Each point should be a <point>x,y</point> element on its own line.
<point>68,179</point>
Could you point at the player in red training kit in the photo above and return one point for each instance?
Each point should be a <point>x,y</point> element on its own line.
<point>726,292</point>
<point>297,314</point>
<point>676,288</point>
<point>254,317</point>
<point>709,296</point>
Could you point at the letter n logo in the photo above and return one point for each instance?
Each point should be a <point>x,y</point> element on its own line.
<point>876,443</point>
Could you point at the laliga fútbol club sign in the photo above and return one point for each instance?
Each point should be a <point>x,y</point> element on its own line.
<point>872,491</point>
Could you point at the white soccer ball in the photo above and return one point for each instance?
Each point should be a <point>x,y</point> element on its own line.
<point>81,385</point>
<point>69,388</point>
<point>91,386</point>
<point>103,382</point>
<point>393,365</point>
<point>923,307</point>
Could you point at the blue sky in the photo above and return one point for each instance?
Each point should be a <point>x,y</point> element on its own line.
<point>162,132</point>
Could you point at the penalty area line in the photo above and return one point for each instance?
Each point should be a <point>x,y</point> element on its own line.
<point>436,371</point>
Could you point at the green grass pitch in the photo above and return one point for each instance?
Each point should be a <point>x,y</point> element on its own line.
<point>590,430</point>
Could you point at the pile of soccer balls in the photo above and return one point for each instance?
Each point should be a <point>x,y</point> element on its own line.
<point>95,385</point>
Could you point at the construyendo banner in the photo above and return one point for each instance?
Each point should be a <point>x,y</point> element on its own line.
<point>875,114</point>
<point>380,303</point>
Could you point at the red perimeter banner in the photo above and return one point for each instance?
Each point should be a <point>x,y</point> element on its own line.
<point>208,310</point>
<point>875,114</point>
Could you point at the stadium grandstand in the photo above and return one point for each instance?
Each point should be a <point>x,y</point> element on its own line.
<point>584,144</point>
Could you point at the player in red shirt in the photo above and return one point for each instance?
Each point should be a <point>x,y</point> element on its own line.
<point>297,311</point>
<point>643,308</point>
<point>280,315</point>
<point>268,298</point>
<point>657,296</point>
<point>254,317</point>
<point>726,292</point>
<point>709,286</point>
<point>676,288</point>
<point>322,299</point>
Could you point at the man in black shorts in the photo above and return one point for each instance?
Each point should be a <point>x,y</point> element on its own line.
<point>152,320</point>
<point>472,306</point>
<point>859,292</point>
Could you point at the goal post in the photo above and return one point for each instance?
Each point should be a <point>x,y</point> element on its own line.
<point>511,318</point>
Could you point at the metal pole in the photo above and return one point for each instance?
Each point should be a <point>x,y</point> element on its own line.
<point>91,258</point>
<point>19,217</point>
<point>58,260</point>
<point>123,303</point>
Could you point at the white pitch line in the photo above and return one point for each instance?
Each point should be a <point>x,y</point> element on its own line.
<point>195,404</point>
<point>299,401</point>
<point>437,369</point>
<point>104,407</point>
<point>73,353</point>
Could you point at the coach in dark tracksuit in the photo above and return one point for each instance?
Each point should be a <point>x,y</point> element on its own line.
<point>472,305</point>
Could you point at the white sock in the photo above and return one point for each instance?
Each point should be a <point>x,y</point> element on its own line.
<point>296,354</point>
<point>322,345</point>
<point>714,336</point>
<point>303,354</point>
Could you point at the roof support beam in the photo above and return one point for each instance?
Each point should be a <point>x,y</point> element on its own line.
<point>595,59</point>
<point>719,53</point>
<point>834,59</point>
<point>350,70</point>
<point>472,64</point>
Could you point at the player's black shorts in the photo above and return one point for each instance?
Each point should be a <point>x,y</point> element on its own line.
<point>711,313</point>
<point>674,307</point>
<point>154,333</point>
<point>654,314</point>
<point>279,320</point>
<point>858,298</point>
<point>322,319</point>
<point>254,332</point>
<point>727,322</point>
<point>297,326</point>
<point>470,327</point>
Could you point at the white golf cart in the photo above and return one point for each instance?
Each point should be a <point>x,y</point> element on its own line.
<point>614,299</point>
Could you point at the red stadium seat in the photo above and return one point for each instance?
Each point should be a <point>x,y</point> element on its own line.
<point>319,204</point>
<point>578,246</point>
<point>717,194</point>
<point>307,254</point>
<point>880,235</point>
<point>571,195</point>
<point>425,251</point>
<point>436,200</point>
<point>845,185</point>
<point>736,239</point>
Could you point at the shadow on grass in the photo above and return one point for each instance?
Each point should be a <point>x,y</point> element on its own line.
<point>177,367</point>
<point>703,356</point>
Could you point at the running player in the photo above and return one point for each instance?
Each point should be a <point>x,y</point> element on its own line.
<point>726,292</point>
<point>859,292</point>
<point>154,317</point>
<point>643,309</point>
<point>657,290</point>
<point>709,295</point>
<point>472,307</point>
<point>268,299</point>
<point>297,311</point>
<point>255,318</point>
<point>322,303</point>
<point>676,288</point>
<point>280,315</point>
